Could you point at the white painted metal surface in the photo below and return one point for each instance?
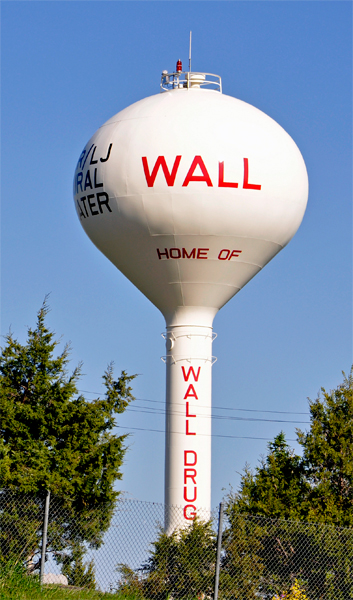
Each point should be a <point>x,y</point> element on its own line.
<point>190,193</point>
<point>188,421</point>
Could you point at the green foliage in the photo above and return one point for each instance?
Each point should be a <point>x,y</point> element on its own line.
<point>17,584</point>
<point>131,584</point>
<point>295,593</point>
<point>241,565</point>
<point>328,451</point>
<point>317,486</point>
<point>279,487</point>
<point>280,551</point>
<point>52,438</point>
<point>78,573</point>
<point>288,489</point>
<point>181,565</point>
<point>21,519</point>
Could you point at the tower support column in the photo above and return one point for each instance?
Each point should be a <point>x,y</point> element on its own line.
<point>188,424</point>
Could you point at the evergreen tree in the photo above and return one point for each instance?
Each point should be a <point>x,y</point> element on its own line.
<point>287,488</point>
<point>278,488</point>
<point>181,566</point>
<point>77,572</point>
<point>317,486</point>
<point>328,452</point>
<point>51,438</point>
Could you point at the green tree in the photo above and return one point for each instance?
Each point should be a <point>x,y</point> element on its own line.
<point>317,486</point>
<point>242,566</point>
<point>51,438</point>
<point>76,571</point>
<point>287,488</point>
<point>278,488</point>
<point>263,557</point>
<point>181,566</point>
<point>327,455</point>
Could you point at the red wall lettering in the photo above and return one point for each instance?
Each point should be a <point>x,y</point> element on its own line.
<point>190,474</point>
<point>190,516</point>
<point>160,254</point>
<point>191,370</point>
<point>235,253</point>
<point>226,254</point>
<point>187,411</point>
<point>191,255</point>
<point>175,253</point>
<point>202,253</point>
<point>170,176</point>
<point>190,392</point>
<point>191,177</point>
<point>190,456</point>
<point>190,462</point>
<point>187,430</point>
<point>160,162</point>
<point>223,255</point>
<point>221,182</point>
<point>186,493</point>
<point>246,184</point>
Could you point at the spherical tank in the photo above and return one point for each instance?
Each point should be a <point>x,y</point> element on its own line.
<point>190,193</point>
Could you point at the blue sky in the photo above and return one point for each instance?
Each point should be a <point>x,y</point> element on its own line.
<point>69,66</point>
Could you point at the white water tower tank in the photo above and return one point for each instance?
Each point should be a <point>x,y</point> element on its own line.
<point>190,193</point>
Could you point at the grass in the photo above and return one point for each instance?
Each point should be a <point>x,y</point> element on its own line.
<point>15,584</point>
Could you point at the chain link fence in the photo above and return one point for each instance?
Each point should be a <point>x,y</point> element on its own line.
<point>259,558</point>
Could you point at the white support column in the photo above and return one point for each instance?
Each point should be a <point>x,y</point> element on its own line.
<point>188,424</point>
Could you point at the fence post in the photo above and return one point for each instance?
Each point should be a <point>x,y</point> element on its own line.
<point>44,536</point>
<point>219,549</point>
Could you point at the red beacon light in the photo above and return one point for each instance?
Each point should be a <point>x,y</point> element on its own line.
<point>179,66</point>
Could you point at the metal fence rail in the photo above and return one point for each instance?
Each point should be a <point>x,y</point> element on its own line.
<point>259,558</point>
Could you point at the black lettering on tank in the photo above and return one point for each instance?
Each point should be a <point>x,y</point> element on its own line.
<point>79,178</point>
<point>87,155</point>
<point>92,204</point>
<point>93,162</point>
<point>96,185</point>
<point>88,182</point>
<point>103,202</point>
<point>107,157</point>
<point>81,159</point>
<point>83,198</point>
<point>82,214</point>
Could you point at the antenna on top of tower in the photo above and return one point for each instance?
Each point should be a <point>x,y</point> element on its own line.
<point>190,52</point>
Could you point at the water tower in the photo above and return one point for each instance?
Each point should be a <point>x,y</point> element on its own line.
<point>190,193</point>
